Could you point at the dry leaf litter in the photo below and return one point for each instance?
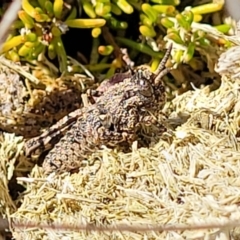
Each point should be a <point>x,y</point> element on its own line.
<point>191,176</point>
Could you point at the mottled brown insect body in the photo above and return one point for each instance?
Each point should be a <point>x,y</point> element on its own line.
<point>114,119</point>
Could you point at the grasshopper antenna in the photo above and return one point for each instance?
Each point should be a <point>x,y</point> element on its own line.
<point>162,70</point>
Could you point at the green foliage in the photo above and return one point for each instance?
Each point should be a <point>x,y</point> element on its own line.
<point>41,23</point>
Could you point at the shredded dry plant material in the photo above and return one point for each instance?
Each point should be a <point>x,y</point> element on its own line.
<point>28,106</point>
<point>188,176</point>
<point>191,176</point>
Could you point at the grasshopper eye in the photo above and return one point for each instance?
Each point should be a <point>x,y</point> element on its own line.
<point>145,88</point>
<point>146,92</point>
<point>142,83</point>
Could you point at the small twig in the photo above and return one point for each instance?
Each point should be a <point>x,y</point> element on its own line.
<point>8,18</point>
<point>74,61</point>
<point>124,227</point>
<point>126,58</point>
<point>110,40</point>
<point>19,70</point>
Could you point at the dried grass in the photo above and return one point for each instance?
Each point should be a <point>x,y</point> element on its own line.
<point>29,106</point>
<point>191,176</point>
